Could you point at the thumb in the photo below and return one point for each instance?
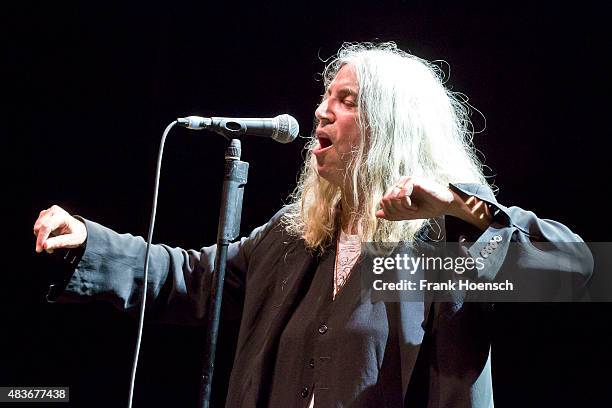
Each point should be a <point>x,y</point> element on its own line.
<point>62,241</point>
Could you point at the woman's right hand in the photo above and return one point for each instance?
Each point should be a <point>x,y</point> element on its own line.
<point>55,229</point>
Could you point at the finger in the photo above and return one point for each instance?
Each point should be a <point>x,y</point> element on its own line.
<point>407,204</point>
<point>404,182</point>
<point>402,201</point>
<point>481,209</point>
<point>402,188</point>
<point>407,188</point>
<point>41,223</point>
<point>395,188</point>
<point>402,209</point>
<point>390,191</point>
<point>393,193</point>
<point>61,241</point>
<point>41,216</point>
<point>386,214</point>
<point>396,198</point>
<point>482,206</point>
<point>44,215</point>
<point>50,224</point>
<point>403,196</point>
<point>396,204</point>
<point>487,209</point>
<point>477,207</point>
<point>387,207</point>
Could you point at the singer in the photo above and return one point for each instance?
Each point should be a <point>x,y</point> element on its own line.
<point>390,160</point>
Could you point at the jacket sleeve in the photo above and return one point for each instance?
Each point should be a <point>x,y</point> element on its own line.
<point>519,246</point>
<point>544,256</point>
<point>111,269</point>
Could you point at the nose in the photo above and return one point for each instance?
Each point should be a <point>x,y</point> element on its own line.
<point>322,113</point>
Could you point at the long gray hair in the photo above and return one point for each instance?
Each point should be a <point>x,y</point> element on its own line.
<point>411,125</point>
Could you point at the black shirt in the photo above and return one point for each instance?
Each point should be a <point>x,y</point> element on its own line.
<point>343,342</point>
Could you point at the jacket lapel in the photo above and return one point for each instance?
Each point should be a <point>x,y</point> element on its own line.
<point>412,322</point>
<point>407,319</point>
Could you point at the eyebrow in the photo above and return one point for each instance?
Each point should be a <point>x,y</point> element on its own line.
<point>343,92</point>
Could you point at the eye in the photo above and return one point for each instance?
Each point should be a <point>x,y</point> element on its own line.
<point>349,102</point>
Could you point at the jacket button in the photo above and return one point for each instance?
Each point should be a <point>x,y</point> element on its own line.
<point>323,328</point>
<point>304,392</point>
<point>311,363</point>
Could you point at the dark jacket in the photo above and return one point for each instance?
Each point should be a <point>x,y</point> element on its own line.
<point>443,348</point>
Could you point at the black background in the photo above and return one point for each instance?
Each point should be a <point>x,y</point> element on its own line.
<point>97,83</point>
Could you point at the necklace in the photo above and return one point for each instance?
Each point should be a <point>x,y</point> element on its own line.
<point>348,249</point>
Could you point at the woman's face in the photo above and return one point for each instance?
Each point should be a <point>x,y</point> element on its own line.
<point>338,130</point>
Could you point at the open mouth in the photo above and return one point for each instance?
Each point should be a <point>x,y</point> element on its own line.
<point>324,142</point>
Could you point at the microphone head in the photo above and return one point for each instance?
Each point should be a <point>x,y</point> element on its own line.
<point>288,129</point>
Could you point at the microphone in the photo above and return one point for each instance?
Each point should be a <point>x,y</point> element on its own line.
<point>283,128</point>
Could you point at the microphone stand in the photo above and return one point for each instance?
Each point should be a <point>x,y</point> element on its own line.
<point>234,180</point>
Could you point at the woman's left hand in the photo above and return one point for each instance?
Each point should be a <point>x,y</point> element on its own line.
<point>414,198</point>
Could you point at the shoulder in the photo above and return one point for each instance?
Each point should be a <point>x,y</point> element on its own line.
<point>275,230</point>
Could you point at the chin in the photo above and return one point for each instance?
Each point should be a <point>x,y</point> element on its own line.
<point>322,172</point>
<point>325,174</point>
